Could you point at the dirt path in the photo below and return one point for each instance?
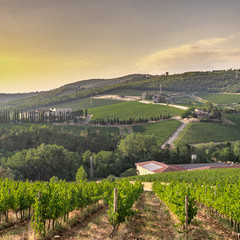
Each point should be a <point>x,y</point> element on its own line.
<point>152,221</point>
<point>165,104</point>
<point>205,227</point>
<point>118,97</point>
<point>175,135</point>
<point>227,121</point>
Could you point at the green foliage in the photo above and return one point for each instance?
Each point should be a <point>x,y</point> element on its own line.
<point>53,200</point>
<point>6,172</point>
<point>173,195</point>
<point>161,130</point>
<point>54,179</point>
<point>209,106</point>
<point>186,113</point>
<point>218,98</point>
<point>111,178</point>
<point>127,194</point>
<point>208,132</point>
<point>188,101</point>
<point>135,110</point>
<point>130,172</point>
<point>44,162</point>
<point>218,81</point>
<point>74,138</point>
<point>211,176</point>
<point>81,174</point>
<point>137,147</point>
<point>86,103</point>
<point>233,117</point>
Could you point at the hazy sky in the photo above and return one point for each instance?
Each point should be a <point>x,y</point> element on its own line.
<point>47,43</point>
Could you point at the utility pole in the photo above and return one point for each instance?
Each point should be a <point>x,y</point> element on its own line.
<point>91,168</point>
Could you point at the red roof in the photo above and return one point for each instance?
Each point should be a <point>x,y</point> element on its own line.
<point>157,167</point>
<point>214,167</point>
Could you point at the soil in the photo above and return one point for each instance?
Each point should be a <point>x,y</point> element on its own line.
<point>152,220</point>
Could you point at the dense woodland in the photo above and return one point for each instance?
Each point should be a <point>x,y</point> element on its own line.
<point>39,152</point>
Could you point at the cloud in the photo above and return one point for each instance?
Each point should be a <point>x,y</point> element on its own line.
<point>202,55</point>
<point>213,41</point>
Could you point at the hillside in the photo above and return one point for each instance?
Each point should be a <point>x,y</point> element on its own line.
<point>73,91</point>
<point>215,81</point>
<point>7,97</point>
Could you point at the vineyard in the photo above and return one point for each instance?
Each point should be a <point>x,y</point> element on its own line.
<point>186,194</point>
<point>220,98</point>
<point>85,103</point>
<point>208,132</point>
<point>233,117</point>
<point>50,203</point>
<point>162,130</point>
<point>186,100</point>
<point>215,191</point>
<point>135,110</point>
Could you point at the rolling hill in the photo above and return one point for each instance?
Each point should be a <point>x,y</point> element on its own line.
<point>213,82</point>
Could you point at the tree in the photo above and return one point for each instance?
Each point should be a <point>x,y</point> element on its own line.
<point>130,172</point>
<point>137,147</point>
<point>81,174</point>
<point>209,106</point>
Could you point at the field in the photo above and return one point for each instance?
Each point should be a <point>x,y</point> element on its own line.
<point>210,176</point>
<point>158,214</point>
<point>208,132</point>
<point>162,130</point>
<point>126,92</point>
<point>220,98</point>
<point>131,92</point>
<point>233,117</point>
<point>135,110</point>
<point>86,103</point>
<point>186,100</point>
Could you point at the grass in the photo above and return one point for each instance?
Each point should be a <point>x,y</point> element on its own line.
<point>162,130</point>
<point>208,132</point>
<point>86,103</point>
<point>135,110</point>
<point>233,117</point>
<point>186,100</point>
<point>126,92</point>
<point>220,98</point>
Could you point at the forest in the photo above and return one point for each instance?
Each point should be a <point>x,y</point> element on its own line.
<point>39,152</point>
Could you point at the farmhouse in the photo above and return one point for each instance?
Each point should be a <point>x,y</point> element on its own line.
<point>201,114</point>
<point>152,167</point>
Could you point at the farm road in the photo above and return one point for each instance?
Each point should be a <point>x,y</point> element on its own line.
<point>175,135</point>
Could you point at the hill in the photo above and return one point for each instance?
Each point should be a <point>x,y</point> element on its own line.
<point>73,91</point>
<point>7,97</point>
<point>215,81</point>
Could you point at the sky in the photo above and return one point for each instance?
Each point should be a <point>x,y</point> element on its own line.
<point>45,44</point>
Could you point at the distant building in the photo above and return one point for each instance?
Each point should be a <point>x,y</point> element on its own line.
<point>156,97</point>
<point>152,167</point>
<point>201,113</point>
<point>144,95</point>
